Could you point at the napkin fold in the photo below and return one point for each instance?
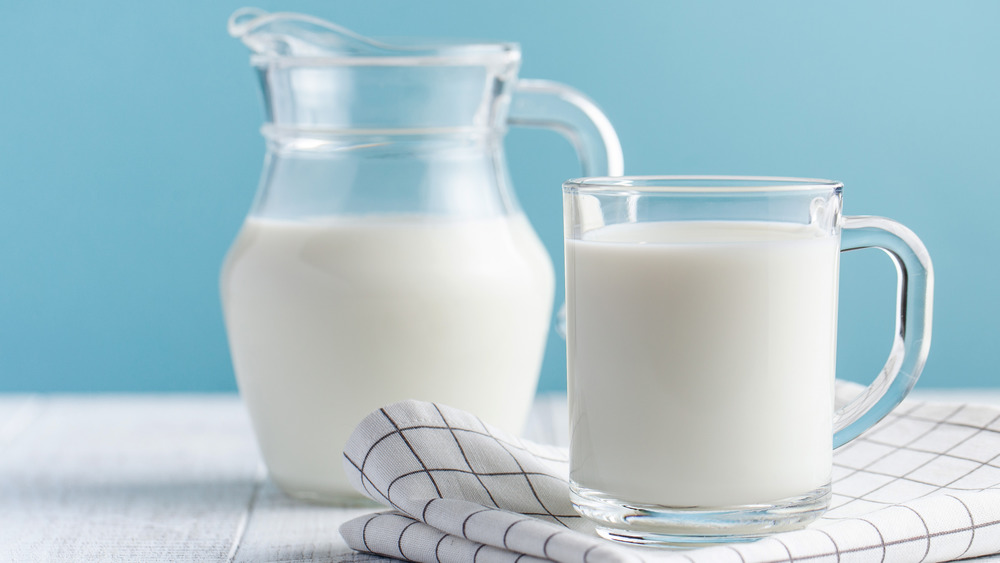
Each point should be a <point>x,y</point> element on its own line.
<point>923,485</point>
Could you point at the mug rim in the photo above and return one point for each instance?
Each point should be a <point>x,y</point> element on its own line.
<point>699,184</point>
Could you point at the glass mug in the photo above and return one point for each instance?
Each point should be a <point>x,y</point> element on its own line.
<point>701,339</point>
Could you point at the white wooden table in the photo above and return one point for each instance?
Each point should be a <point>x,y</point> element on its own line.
<point>172,478</point>
<point>158,478</point>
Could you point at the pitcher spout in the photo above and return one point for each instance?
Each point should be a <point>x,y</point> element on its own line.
<point>290,34</point>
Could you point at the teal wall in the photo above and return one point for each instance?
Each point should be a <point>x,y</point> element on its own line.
<point>129,154</point>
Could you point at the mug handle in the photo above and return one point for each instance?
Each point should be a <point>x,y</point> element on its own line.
<point>912,340</point>
<point>551,105</point>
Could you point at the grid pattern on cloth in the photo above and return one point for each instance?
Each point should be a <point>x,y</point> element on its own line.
<point>923,485</point>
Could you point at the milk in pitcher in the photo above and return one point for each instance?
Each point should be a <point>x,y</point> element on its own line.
<point>332,318</point>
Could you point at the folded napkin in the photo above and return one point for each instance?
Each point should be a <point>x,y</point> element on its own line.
<point>923,485</point>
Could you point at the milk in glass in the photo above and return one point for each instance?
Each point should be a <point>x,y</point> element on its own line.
<point>701,360</point>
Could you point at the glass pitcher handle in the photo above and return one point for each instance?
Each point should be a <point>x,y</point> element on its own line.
<point>551,105</point>
<point>912,339</point>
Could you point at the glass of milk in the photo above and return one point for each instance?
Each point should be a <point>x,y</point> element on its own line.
<point>701,334</point>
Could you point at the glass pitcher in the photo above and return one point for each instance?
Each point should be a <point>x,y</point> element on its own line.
<point>385,256</point>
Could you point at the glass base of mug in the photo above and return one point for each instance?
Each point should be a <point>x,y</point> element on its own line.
<point>695,527</point>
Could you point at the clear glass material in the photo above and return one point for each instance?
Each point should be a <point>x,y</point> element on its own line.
<point>385,256</point>
<point>701,338</point>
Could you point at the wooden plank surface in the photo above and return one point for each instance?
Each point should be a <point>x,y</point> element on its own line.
<point>172,478</point>
<point>286,530</point>
<point>154,478</point>
<point>127,479</point>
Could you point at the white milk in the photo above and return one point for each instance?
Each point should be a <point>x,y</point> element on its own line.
<point>701,361</point>
<point>331,319</point>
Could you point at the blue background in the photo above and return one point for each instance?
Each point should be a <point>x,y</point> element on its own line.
<point>129,154</point>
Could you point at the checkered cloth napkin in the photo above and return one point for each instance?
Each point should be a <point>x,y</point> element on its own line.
<point>923,485</point>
